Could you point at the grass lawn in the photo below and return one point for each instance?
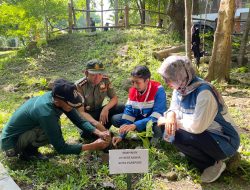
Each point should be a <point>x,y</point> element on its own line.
<point>24,75</point>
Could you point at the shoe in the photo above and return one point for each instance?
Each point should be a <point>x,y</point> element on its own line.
<point>212,173</point>
<point>11,152</point>
<point>181,154</point>
<point>31,153</point>
<point>26,157</point>
<point>42,157</point>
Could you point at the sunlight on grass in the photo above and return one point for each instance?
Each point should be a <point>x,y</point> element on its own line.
<point>34,80</point>
<point>3,118</point>
<point>238,117</point>
<point>7,54</point>
<point>39,93</point>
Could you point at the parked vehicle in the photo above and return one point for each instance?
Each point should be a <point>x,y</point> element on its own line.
<point>208,21</point>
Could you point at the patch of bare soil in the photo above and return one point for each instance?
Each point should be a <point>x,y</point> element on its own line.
<point>188,184</point>
<point>239,102</point>
<point>177,185</point>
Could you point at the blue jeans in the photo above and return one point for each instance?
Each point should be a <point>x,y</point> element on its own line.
<point>117,122</point>
<point>201,149</point>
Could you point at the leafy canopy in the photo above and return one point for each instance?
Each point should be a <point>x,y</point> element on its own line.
<point>25,19</point>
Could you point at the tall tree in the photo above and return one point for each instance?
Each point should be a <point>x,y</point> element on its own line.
<point>141,6</point>
<point>244,41</point>
<point>188,15</point>
<point>88,13</point>
<point>116,12</point>
<point>174,9</point>
<point>215,5</point>
<point>219,65</point>
<point>28,20</point>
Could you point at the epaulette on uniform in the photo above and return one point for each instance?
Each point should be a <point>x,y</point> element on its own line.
<point>82,81</point>
<point>105,77</point>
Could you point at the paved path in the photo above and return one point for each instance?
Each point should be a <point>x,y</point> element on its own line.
<point>6,182</point>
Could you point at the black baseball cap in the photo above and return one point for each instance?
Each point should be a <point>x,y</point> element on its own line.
<point>67,92</point>
<point>95,66</point>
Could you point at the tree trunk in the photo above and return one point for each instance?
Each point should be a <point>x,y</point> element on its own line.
<point>88,14</point>
<point>102,24</point>
<point>141,6</point>
<point>215,5</point>
<point>188,15</point>
<point>116,12</point>
<point>244,42</point>
<point>70,18</point>
<point>74,13</point>
<point>159,9</point>
<point>219,65</point>
<point>196,7</point>
<point>162,54</point>
<point>126,10</point>
<point>46,21</point>
<point>46,29</point>
<point>174,11</point>
<point>143,19</point>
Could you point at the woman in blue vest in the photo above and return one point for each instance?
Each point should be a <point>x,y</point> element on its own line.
<point>198,119</point>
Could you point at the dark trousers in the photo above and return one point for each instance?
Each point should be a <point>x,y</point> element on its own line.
<point>96,115</point>
<point>113,111</point>
<point>197,54</point>
<point>31,139</point>
<point>201,149</point>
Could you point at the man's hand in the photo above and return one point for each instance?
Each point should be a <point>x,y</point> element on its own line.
<point>116,140</point>
<point>126,128</point>
<point>100,144</point>
<point>99,126</point>
<point>105,135</point>
<point>104,116</point>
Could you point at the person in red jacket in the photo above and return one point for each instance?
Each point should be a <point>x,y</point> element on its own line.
<point>146,101</point>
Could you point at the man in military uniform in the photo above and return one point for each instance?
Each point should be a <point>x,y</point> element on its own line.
<point>95,87</point>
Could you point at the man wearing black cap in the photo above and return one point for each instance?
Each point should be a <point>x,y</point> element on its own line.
<point>95,87</point>
<point>37,122</point>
